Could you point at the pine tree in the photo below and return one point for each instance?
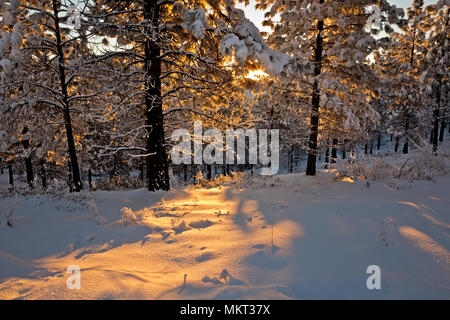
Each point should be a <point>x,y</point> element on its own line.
<point>437,60</point>
<point>335,37</point>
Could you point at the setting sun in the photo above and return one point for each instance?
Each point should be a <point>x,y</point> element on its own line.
<point>256,75</point>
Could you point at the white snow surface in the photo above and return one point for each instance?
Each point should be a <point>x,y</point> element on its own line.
<point>288,237</point>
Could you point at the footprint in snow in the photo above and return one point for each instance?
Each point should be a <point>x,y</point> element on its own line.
<point>201,224</point>
<point>181,228</point>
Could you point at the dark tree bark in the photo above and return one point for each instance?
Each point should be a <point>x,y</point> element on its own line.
<point>334,150</point>
<point>327,156</point>
<point>344,154</point>
<point>315,102</point>
<point>10,172</point>
<point>65,101</point>
<point>406,145</point>
<point>436,117</point>
<point>156,160</point>
<point>70,180</point>
<point>397,144</point>
<point>28,162</point>
<point>366,148</point>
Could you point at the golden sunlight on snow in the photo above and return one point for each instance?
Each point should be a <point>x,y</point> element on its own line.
<point>427,245</point>
<point>200,233</point>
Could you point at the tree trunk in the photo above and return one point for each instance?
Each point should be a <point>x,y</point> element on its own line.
<point>397,143</point>
<point>28,162</point>
<point>156,160</point>
<point>43,177</point>
<point>406,145</point>
<point>70,181</point>
<point>436,118</point>
<point>10,172</point>
<point>66,111</point>
<point>436,130</point>
<point>334,151</point>
<point>344,154</point>
<point>90,178</point>
<point>315,102</point>
<point>366,149</point>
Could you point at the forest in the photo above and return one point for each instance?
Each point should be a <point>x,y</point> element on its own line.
<point>135,147</point>
<point>92,90</point>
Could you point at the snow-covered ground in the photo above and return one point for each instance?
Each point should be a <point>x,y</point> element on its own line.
<point>286,237</point>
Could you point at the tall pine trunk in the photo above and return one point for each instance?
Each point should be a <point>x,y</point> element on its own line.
<point>65,101</point>
<point>436,117</point>
<point>156,160</point>
<point>90,178</point>
<point>436,130</point>
<point>315,102</point>
<point>28,162</point>
<point>10,174</point>
<point>406,145</point>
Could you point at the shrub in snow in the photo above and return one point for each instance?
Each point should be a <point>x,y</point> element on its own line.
<point>10,214</point>
<point>424,164</point>
<point>236,179</point>
<point>119,182</point>
<point>128,216</point>
<point>364,168</point>
<point>57,187</point>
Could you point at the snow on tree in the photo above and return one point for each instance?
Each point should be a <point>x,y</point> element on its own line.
<point>336,38</point>
<point>437,61</point>
<point>179,53</point>
<point>403,63</point>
